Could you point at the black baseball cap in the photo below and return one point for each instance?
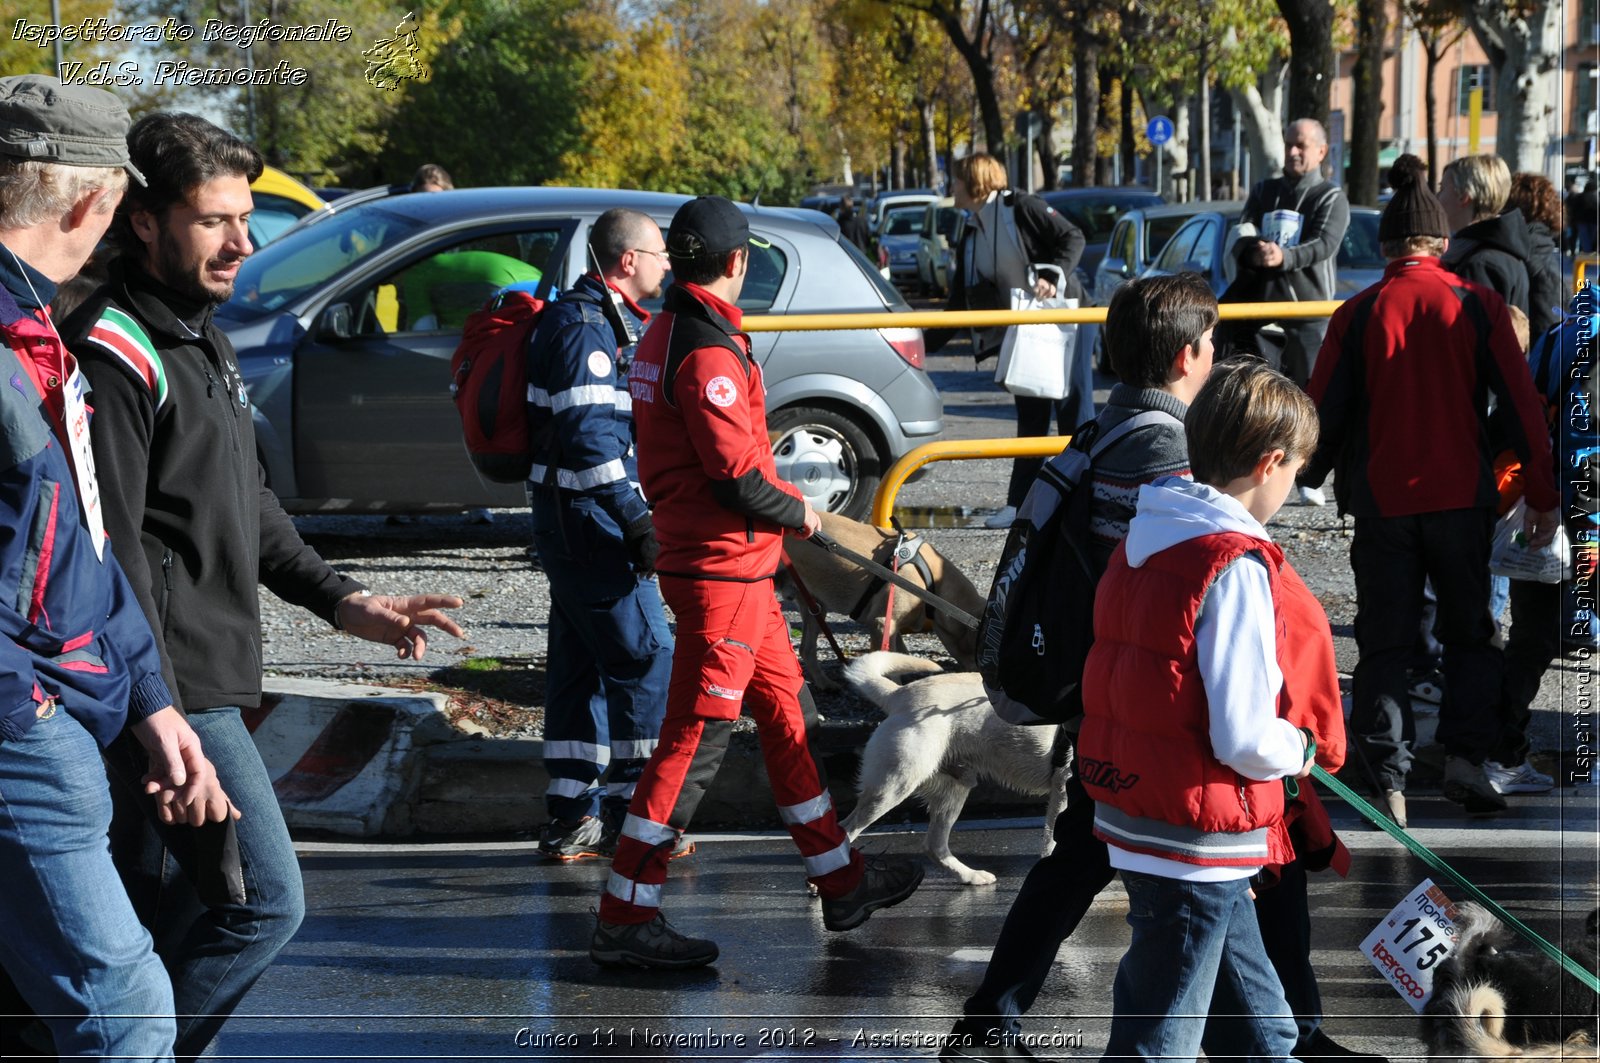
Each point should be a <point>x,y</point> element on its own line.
<point>709,226</point>
<point>72,125</point>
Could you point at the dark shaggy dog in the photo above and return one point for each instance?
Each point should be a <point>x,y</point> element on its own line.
<point>1497,996</point>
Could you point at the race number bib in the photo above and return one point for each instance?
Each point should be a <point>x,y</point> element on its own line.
<point>76,413</point>
<point>1407,946</point>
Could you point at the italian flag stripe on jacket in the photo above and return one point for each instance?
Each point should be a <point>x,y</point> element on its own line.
<point>126,338</point>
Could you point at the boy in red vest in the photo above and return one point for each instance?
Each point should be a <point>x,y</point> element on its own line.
<point>1185,746</point>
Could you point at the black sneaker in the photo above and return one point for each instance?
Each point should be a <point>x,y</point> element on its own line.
<point>885,882</point>
<point>1321,1046</point>
<point>574,840</point>
<point>654,944</point>
<point>971,1039</point>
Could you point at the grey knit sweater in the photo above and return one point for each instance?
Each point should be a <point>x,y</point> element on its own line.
<point>1144,455</point>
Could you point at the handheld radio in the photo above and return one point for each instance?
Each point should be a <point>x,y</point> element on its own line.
<point>623,325</point>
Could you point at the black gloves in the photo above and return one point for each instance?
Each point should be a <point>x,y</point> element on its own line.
<point>639,540</point>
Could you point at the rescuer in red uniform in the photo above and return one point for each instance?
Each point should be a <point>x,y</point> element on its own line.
<point>720,513</point>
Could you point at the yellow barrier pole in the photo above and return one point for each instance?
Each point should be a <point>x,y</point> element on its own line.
<point>989,318</point>
<point>1580,269</point>
<point>956,450</point>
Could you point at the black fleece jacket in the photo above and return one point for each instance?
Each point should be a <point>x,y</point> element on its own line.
<point>1493,253</point>
<point>186,503</point>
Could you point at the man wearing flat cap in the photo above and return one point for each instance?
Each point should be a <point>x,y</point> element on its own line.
<point>1399,384</point>
<point>720,514</point>
<point>78,662</point>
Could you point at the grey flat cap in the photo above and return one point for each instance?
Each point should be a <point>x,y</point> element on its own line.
<point>74,125</point>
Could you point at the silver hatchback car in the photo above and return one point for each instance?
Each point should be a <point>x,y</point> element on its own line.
<point>345,328</point>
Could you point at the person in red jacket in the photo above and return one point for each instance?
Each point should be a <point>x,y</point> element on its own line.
<point>720,513</point>
<point>1187,746</point>
<point>1402,385</point>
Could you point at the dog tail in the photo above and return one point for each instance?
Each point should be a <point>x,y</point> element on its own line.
<point>878,675</point>
<point>1475,1029</point>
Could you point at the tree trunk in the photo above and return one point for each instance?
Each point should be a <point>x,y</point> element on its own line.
<point>1430,112</point>
<point>1257,108</point>
<point>1372,23</point>
<point>1203,135</point>
<point>897,158</point>
<point>1311,56</point>
<point>1526,54</point>
<point>1045,145</point>
<point>1103,129</point>
<point>1086,114</point>
<point>1126,143</point>
<point>930,146</point>
<point>971,50</point>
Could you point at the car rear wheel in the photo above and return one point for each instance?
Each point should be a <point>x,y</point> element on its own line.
<point>828,457</point>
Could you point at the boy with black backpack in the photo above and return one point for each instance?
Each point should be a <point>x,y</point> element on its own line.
<point>1158,330</point>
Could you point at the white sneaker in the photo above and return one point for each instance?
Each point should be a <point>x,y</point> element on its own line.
<point>1312,496</point>
<point>1519,779</point>
<point>1003,519</point>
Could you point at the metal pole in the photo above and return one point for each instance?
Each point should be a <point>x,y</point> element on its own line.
<point>55,20</point>
<point>250,87</point>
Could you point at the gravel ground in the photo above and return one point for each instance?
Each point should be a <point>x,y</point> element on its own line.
<point>507,598</point>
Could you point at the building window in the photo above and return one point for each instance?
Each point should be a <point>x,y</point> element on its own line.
<point>1588,25</point>
<point>1474,77</point>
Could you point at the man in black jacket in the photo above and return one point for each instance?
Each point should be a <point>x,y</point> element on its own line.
<point>1298,221</point>
<point>192,521</point>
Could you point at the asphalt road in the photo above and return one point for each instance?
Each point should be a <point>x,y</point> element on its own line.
<point>480,951</point>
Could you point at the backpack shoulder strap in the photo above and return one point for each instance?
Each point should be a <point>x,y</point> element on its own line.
<point>1143,419</point>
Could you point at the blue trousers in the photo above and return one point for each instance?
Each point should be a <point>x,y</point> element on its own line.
<point>213,955</point>
<point>609,661</point>
<point>1196,950</point>
<point>72,944</point>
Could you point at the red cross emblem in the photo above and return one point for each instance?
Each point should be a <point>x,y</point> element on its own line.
<point>721,391</point>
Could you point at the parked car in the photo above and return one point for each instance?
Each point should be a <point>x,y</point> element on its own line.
<point>280,201</point>
<point>1361,262</point>
<point>878,207</point>
<point>1095,212</point>
<point>1138,237</point>
<point>942,225</point>
<point>828,204</point>
<point>345,328</point>
<point>897,243</point>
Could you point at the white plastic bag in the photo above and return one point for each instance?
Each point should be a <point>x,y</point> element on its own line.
<point>1036,360</point>
<point>1514,558</point>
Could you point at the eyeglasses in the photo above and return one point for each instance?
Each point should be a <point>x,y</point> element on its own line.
<point>662,254</point>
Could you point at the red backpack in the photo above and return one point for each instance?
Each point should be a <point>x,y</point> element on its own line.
<point>489,383</point>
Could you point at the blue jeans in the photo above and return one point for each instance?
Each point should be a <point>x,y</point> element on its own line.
<point>610,659</point>
<point>72,943</point>
<point>213,955</point>
<point>1196,949</point>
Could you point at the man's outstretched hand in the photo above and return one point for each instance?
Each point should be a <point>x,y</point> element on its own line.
<point>398,621</point>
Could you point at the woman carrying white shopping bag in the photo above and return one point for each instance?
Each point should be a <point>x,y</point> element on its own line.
<point>1016,241</point>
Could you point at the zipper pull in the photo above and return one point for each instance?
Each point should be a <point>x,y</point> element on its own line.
<point>210,384</point>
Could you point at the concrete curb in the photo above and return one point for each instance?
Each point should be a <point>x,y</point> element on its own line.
<point>365,761</point>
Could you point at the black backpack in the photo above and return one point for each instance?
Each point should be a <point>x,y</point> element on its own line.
<point>1038,623</point>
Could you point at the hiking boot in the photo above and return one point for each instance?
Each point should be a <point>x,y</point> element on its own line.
<point>1311,496</point>
<point>574,839</point>
<point>1467,784</point>
<point>1426,686</point>
<point>654,944</point>
<point>885,882</point>
<point>611,821</point>
<point>1518,779</point>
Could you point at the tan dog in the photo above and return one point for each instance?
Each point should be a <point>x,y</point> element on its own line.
<point>840,586</point>
<point>939,737</point>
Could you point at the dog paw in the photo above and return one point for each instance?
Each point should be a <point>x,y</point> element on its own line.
<point>979,878</point>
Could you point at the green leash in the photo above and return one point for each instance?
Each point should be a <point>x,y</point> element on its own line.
<point>1433,860</point>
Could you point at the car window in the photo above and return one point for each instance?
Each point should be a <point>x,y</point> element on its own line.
<point>949,220</point>
<point>1120,245</point>
<point>272,216</point>
<point>1359,249</point>
<point>1204,250</point>
<point>891,295</point>
<point>1179,248</point>
<point>904,221</point>
<point>763,279</point>
<point>1157,231</point>
<point>437,293</point>
<point>305,259</point>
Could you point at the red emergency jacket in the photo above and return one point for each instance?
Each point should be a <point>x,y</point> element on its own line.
<point>1145,747</point>
<point>705,460</point>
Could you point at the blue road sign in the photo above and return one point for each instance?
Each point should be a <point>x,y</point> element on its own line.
<point>1159,131</point>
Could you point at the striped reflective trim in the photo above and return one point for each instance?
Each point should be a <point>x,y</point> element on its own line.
<point>648,831</point>
<point>568,787</point>
<point>806,811</point>
<point>583,395</point>
<point>587,752</point>
<point>832,860</point>
<point>583,480</point>
<point>624,401</point>
<point>638,749</point>
<point>630,892</point>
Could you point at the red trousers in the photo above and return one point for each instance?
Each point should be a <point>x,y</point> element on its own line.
<point>732,651</point>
